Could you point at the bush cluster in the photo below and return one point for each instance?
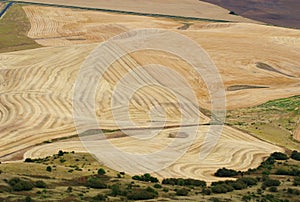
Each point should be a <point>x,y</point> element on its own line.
<point>182,192</point>
<point>230,185</point>
<point>146,178</point>
<point>142,194</point>
<point>18,184</point>
<point>279,156</point>
<point>184,182</point>
<point>295,155</point>
<point>95,182</point>
<point>224,172</point>
<point>285,171</point>
<point>271,183</point>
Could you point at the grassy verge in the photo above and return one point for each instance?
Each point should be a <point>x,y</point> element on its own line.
<point>274,121</point>
<point>13,32</point>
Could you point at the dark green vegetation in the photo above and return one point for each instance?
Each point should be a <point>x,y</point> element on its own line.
<point>78,177</point>
<point>146,178</point>
<point>274,121</point>
<point>13,31</point>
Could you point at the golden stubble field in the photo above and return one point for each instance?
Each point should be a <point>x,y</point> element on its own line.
<point>37,85</point>
<point>186,8</point>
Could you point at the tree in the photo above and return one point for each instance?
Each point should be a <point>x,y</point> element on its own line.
<point>101,171</point>
<point>60,153</point>
<point>48,168</point>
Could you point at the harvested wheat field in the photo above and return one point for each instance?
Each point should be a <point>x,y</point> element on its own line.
<point>185,8</point>
<point>228,44</point>
<point>257,63</point>
<point>242,152</point>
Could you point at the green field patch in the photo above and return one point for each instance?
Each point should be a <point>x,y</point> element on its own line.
<point>13,32</point>
<point>274,121</point>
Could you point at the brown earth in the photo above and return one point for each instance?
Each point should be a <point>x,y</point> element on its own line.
<point>277,12</point>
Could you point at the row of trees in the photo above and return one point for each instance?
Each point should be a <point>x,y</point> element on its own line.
<point>184,182</point>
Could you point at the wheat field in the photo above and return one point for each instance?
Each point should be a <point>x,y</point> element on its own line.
<point>257,63</point>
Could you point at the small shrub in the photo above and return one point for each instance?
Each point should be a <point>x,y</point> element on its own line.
<point>142,194</point>
<point>28,199</point>
<point>69,189</point>
<point>96,183</point>
<point>157,186</point>
<point>101,171</point>
<point>271,182</point>
<point>100,197</point>
<point>48,168</point>
<point>249,181</point>
<point>28,160</point>
<point>116,190</point>
<point>40,184</point>
<point>221,188</point>
<point>182,192</point>
<point>293,191</point>
<point>232,13</point>
<point>273,189</point>
<point>296,181</point>
<point>206,191</point>
<point>60,153</point>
